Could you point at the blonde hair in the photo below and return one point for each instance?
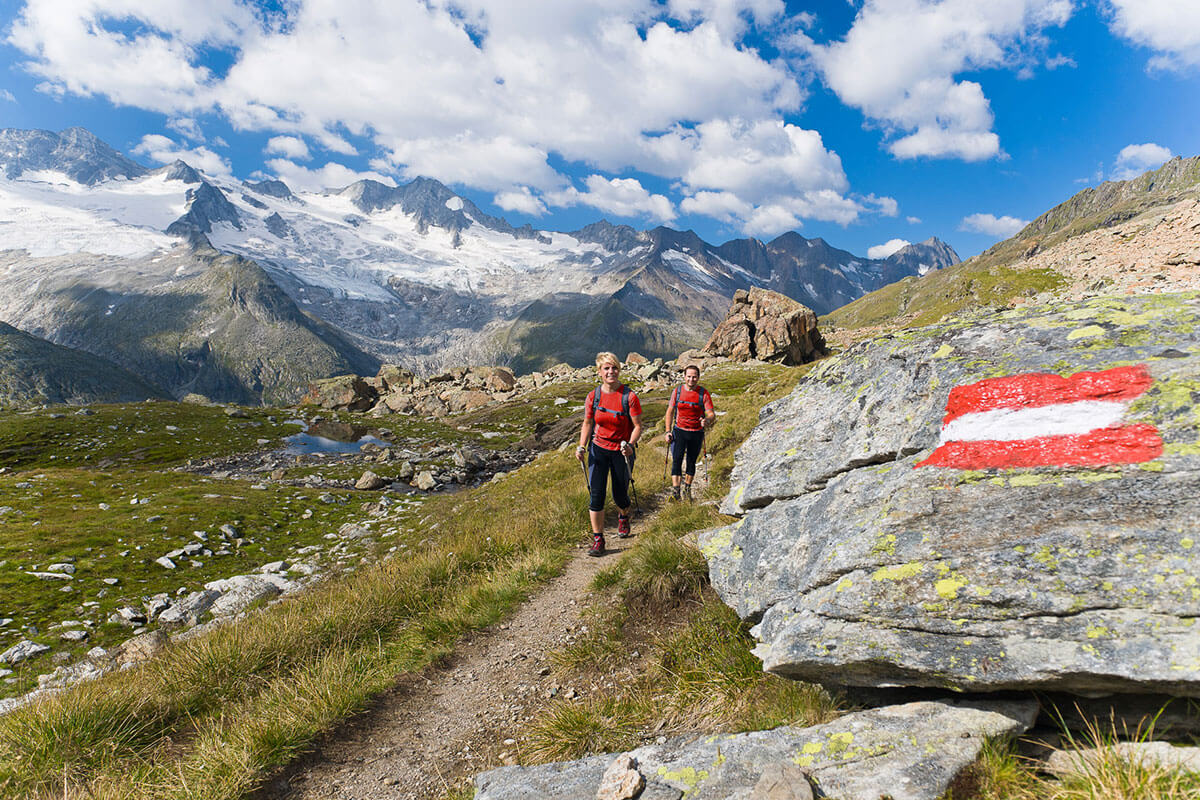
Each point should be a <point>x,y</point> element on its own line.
<point>607,358</point>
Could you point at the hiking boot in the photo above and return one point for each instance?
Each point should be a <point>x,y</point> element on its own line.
<point>597,548</point>
<point>623,527</point>
<point>675,493</point>
<point>687,492</point>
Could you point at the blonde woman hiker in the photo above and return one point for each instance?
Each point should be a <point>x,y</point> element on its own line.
<point>612,425</point>
<point>689,414</point>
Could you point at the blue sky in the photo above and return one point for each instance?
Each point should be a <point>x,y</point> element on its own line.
<point>866,123</point>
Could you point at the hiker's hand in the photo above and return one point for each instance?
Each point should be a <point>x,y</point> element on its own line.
<point>580,452</point>
<point>626,448</point>
<point>670,438</point>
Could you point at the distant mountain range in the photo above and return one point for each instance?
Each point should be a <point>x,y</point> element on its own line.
<point>244,291</point>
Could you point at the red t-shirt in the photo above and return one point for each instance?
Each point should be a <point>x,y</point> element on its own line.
<point>688,412</point>
<point>612,427</point>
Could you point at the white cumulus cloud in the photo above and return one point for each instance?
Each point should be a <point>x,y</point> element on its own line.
<point>288,146</point>
<point>900,61</point>
<point>1134,159</point>
<point>887,248</point>
<point>164,150</point>
<point>329,176</point>
<point>187,127</point>
<point>492,94</point>
<point>7,96</point>
<point>1171,28</point>
<point>521,200</point>
<point>623,197</point>
<point>992,225</point>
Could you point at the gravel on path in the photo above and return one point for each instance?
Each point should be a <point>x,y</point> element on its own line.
<point>430,731</point>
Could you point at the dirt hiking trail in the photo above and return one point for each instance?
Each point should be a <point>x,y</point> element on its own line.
<point>423,736</point>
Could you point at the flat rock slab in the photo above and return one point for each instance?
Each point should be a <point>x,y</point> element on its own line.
<point>906,752</point>
<point>871,552</point>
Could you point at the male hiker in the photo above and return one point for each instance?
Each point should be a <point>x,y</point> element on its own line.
<point>612,425</point>
<point>689,414</point>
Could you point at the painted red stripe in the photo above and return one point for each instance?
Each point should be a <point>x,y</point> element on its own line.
<point>1037,389</point>
<point>1128,444</point>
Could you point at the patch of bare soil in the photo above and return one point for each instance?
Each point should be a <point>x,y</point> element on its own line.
<point>429,733</point>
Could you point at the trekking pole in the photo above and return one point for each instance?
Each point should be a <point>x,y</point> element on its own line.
<point>586,481</point>
<point>704,456</point>
<point>667,460</point>
<point>632,484</point>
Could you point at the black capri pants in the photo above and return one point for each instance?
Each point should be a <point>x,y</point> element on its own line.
<point>602,463</point>
<point>685,443</point>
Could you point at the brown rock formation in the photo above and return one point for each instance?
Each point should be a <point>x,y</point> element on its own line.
<point>767,326</point>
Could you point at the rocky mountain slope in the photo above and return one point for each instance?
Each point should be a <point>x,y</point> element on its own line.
<point>34,371</point>
<point>187,320</point>
<point>1121,237</point>
<point>413,274</point>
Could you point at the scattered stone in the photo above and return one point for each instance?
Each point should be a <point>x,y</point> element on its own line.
<point>111,581</point>
<point>51,576</point>
<point>370,481</point>
<point>352,530</point>
<point>73,635</point>
<point>127,615</point>
<point>156,605</point>
<point>239,592</point>
<point>66,568</point>
<point>22,651</point>
<point>165,562</point>
<point>141,647</point>
<point>425,481</point>
<point>274,566</point>
<point>189,609</point>
<point>621,780</point>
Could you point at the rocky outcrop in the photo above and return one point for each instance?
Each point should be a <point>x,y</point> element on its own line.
<point>767,326</point>
<point>395,390</point>
<point>906,752</point>
<point>895,531</point>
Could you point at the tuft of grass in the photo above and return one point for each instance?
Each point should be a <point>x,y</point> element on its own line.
<point>999,773</point>
<point>1103,771</point>
<point>572,730</point>
<point>661,570</point>
<point>712,677</point>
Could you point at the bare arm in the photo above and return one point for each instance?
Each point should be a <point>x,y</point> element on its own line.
<point>669,420</point>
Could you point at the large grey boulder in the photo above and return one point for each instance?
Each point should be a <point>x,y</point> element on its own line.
<point>906,752</point>
<point>240,592</point>
<point>868,558</point>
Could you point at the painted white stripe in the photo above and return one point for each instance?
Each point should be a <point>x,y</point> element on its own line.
<point>1014,424</point>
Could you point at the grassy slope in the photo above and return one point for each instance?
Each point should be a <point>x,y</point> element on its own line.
<point>212,716</point>
<point>995,277</point>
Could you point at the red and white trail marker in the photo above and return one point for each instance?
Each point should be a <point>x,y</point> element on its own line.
<point>1041,419</point>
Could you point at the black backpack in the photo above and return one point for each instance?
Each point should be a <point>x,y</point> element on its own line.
<point>597,408</point>
<point>678,393</point>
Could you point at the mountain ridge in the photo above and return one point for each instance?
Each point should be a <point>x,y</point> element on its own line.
<point>413,274</point>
